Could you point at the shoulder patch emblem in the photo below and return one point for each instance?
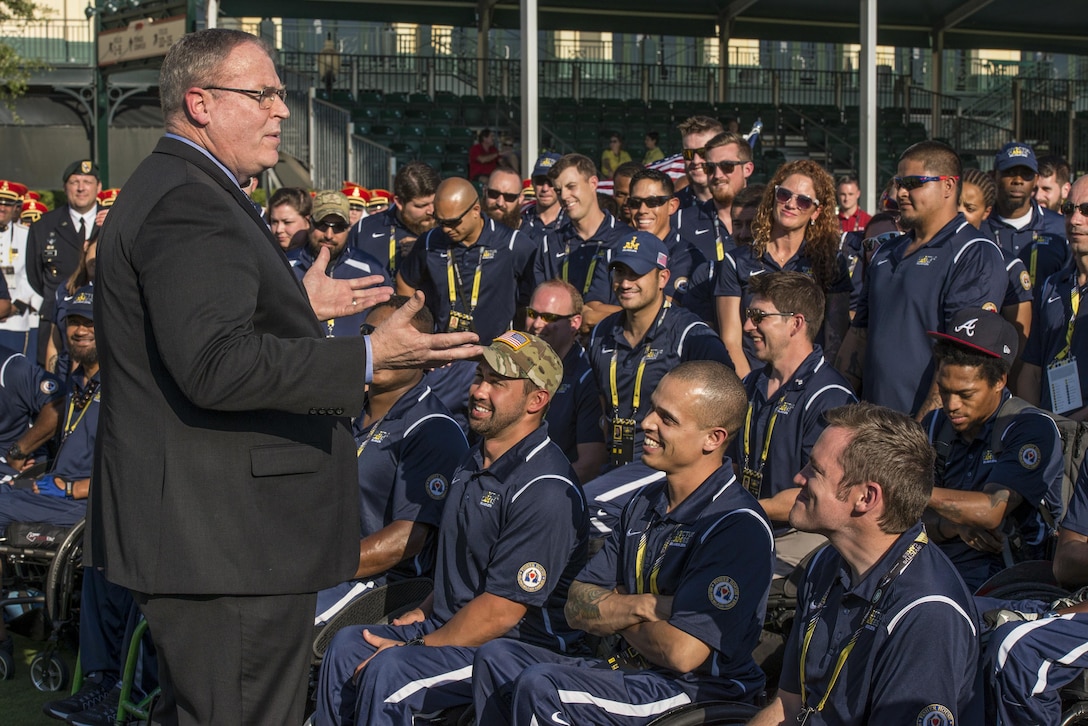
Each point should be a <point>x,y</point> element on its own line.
<point>48,386</point>
<point>723,593</point>
<point>1029,456</point>
<point>532,576</point>
<point>437,487</point>
<point>681,285</point>
<point>1025,280</point>
<point>989,307</point>
<point>935,715</point>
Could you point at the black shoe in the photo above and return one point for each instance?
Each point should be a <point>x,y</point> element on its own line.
<point>103,713</point>
<point>89,695</point>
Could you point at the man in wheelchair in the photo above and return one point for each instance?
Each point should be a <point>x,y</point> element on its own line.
<point>997,457</point>
<point>682,581</point>
<point>30,406</point>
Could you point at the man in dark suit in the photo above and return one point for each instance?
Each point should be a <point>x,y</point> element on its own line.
<point>55,242</point>
<point>225,489</point>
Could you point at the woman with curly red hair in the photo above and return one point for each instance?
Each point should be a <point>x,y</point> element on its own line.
<point>795,228</point>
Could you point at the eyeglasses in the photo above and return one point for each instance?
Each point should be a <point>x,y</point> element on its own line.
<point>495,194</point>
<point>454,221</point>
<point>366,329</point>
<point>1021,171</point>
<point>910,183</point>
<point>548,318</point>
<point>264,97</point>
<point>1069,207</point>
<point>756,315</point>
<point>689,154</point>
<point>336,227</point>
<point>726,167</point>
<point>651,202</point>
<point>782,195</point>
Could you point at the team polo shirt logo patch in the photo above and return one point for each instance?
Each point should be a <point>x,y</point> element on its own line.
<point>532,576</point>
<point>784,408</point>
<point>489,499</point>
<point>437,486</point>
<point>682,538</point>
<point>488,255</point>
<point>926,260</point>
<point>379,437</point>
<point>988,457</point>
<point>48,386</point>
<point>653,354</point>
<point>724,593</point>
<point>935,715</point>
<point>1029,456</point>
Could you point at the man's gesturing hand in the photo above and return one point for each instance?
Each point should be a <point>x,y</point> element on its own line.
<point>397,344</point>
<point>332,298</point>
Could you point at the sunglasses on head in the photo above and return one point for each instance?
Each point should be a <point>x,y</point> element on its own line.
<point>546,317</point>
<point>1069,207</point>
<point>871,243</point>
<point>756,315</point>
<point>454,221</point>
<point>508,198</point>
<point>804,203</point>
<point>651,202</point>
<point>726,167</point>
<point>336,227</point>
<point>910,183</point>
<point>689,154</point>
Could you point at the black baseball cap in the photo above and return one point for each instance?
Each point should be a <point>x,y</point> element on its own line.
<point>981,331</point>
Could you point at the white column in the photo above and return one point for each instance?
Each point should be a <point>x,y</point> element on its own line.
<point>867,106</point>
<point>530,126</point>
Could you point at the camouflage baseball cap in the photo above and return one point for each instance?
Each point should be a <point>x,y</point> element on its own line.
<point>329,203</point>
<point>520,355</point>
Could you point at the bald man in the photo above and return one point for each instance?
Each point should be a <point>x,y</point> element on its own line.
<point>474,271</point>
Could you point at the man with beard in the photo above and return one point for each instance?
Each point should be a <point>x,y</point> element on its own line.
<point>329,227</point>
<point>695,132</point>
<point>1052,182</point>
<point>388,235</point>
<point>512,536</point>
<point>502,197</point>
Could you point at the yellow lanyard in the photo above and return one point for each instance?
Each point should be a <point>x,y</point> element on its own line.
<point>69,426</point>
<point>636,398</point>
<point>640,556</point>
<point>870,618</point>
<point>393,249</point>
<point>452,270</point>
<point>371,432</point>
<point>1034,263</point>
<point>589,272</point>
<point>719,245</point>
<point>1074,302</point>
<point>766,438</point>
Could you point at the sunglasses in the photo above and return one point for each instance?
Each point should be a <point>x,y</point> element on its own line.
<point>453,222</point>
<point>1069,207</point>
<point>495,194</point>
<point>366,329</point>
<point>651,202</point>
<point>757,316</point>
<point>541,181</point>
<point>689,154</point>
<point>910,183</point>
<point>782,195</point>
<point>548,318</point>
<point>726,167</point>
<point>1021,171</point>
<point>336,227</point>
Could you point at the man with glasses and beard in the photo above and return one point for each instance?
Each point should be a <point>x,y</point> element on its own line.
<point>329,227</point>
<point>502,197</point>
<point>389,234</point>
<point>474,271</point>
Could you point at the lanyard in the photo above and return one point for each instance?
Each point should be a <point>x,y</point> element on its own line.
<point>393,248</point>
<point>589,272</point>
<point>636,398</point>
<point>371,431</point>
<point>453,270</point>
<point>80,401</point>
<point>1074,302</point>
<point>767,437</point>
<point>640,556</point>
<point>870,618</point>
<point>719,246</point>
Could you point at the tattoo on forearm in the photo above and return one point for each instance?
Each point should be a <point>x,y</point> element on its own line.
<point>583,601</point>
<point>999,498</point>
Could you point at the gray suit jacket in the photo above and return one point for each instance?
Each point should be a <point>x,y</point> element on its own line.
<point>224,463</point>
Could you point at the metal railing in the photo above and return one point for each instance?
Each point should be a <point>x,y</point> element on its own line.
<point>53,42</point>
<point>330,143</point>
<point>371,164</point>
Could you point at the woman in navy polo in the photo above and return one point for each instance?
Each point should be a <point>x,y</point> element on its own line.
<point>796,228</point>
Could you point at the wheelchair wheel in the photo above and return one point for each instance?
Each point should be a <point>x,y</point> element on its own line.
<point>1076,715</point>
<point>709,712</point>
<point>48,672</point>
<point>7,666</point>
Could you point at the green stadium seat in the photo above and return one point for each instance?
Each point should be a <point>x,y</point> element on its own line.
<point>404,147</point>
<point>413,131</point>
<point>369,98</point>
<point>417,115</point>
<point>397,98</point>
<point>432,148</point>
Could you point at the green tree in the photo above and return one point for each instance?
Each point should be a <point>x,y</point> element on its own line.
<point>14,69</point>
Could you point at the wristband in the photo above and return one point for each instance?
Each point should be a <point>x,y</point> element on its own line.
<point>48,488</point>
<point>68,488</point>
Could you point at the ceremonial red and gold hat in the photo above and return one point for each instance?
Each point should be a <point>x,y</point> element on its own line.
<point>379,198</point>
<point>32,211</point>
<point>358,197</point>
<point>11,192</point>
<point>107,197</point>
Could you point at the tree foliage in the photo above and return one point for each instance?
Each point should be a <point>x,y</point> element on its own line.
<point>15,70</point>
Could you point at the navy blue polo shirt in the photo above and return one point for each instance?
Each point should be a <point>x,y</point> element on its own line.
<point>1029,463</point>
<point>853,250</point>
<point>505,261</point>
<point>687,197</point>
<point>574,414</point>
<point>1018,286</point>
<point>406,461</point>
<point>1076,516</point>
<point>75,457</point>
<point>1043,221</point>
<point>902,299</point>
<point>1050,322</point>
<point>798,409</point>
<point>516,529</point>
<point>536,229</point>
<point>372,234</point>
<point>713,554</point>
<point>691,278</point>
<point>25,389</point>
<point>1047,254</point>
<point>351,264</point>
<point>740,265</point>
<point>915,663</point>
<point>564,255</point>
<point>700,226</point>
<point>675,336</point>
